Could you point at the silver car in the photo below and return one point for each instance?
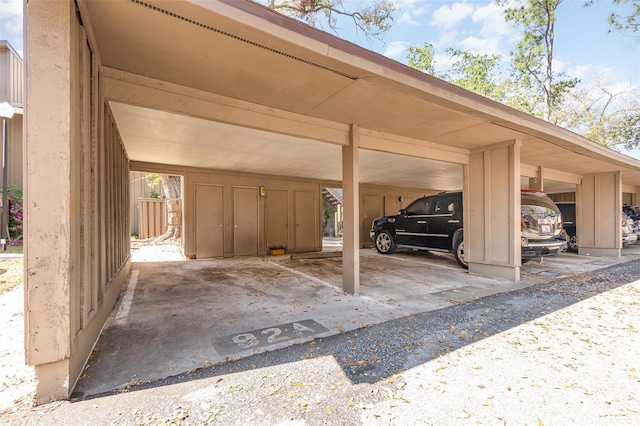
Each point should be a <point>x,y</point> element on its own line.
<point>541,225</point>
<point>629,229</point>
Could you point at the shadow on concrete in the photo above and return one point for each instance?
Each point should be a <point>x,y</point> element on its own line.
<point>376,352</point>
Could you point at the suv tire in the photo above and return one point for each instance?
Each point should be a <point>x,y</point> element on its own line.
<point>384,242</point>
<point>458,252</point>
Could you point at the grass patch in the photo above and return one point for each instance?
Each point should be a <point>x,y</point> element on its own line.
<point>13,249</point>
<point>11,274</point>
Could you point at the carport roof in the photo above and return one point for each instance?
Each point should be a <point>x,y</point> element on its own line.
<point>242,51</point>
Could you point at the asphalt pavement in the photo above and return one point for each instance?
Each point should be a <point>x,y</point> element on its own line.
<point>566,351</point>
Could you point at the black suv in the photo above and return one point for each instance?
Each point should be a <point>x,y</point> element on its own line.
<point>433,223</point>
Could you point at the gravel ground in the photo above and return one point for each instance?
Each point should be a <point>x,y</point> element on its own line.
<point>563,352</point>
<point>16,378</point>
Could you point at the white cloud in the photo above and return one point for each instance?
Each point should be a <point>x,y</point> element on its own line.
<point>494,30</point>
<point>443,62</point>
<point>405,18</point>
<point>11,22</point>
<point>491,17</point>
<point>486,46</point>
<point>409,10</point>
<point>395,49</point>
<point>448,17</point>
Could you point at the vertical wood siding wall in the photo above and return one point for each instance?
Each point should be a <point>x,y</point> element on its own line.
<point>139,189</point>
<point>152,214</point>
<point>102,241</point>
<point>11,90</point>
<point>11,75</point>
<point>77,207</point>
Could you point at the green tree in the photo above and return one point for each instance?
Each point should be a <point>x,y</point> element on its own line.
<point>629,22</point>
<point>421,58</point>
<point>533,57</point>
<point>372,18</point>
<point>603,111</point>
<point>171,189</point>
<point>478,73</point>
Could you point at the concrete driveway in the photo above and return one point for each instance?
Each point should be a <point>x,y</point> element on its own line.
<point>177,316</point>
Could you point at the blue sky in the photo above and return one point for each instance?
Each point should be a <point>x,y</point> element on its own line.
<point>583,43</point>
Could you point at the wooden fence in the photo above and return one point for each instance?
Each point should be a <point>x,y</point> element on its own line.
<point>152,213</point>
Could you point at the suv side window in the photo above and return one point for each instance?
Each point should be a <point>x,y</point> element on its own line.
<point>447,205</point>
<point>419,207</point>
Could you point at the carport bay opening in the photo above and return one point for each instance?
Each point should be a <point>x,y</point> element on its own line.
<point>231,214</point>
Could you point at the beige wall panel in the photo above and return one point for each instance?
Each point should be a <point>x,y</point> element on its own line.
<point>499,208</point>
<point>228,180</point>
<point>277,218</point>
<point>209,221</point>
<point>493,231</point>
<point>599,214</point>
<point>307,222</point>
<point>372,207</point>
<point>245,221</point>
<point>391,205</point>
<point>474,228</point>
<point>586,216</point>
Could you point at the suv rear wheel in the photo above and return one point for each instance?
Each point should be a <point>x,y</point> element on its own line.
<point>458,251</point>
<point>384,242</point>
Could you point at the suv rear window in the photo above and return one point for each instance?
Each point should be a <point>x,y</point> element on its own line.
<point>535,202</point>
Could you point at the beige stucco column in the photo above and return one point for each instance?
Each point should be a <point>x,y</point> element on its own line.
<point>537,183</point>
<point>351,215</point>
<point>492,226</point>
<point>50,135</point>
<point>598,227</point>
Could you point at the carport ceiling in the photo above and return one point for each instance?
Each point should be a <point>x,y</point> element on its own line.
<point>165,138</point>
<point>240,50</point>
